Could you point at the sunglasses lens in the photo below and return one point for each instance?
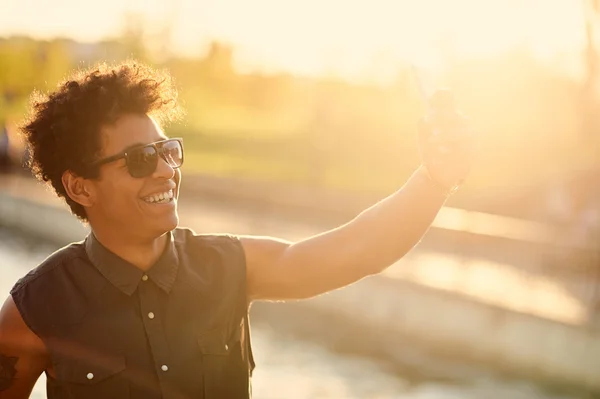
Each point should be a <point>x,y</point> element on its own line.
<point>172,153</point>
<point>142,162</point>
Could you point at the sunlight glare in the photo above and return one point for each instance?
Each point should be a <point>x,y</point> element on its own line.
<point>363,39</point>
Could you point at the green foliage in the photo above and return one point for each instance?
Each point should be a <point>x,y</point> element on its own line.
<point>331,132</point>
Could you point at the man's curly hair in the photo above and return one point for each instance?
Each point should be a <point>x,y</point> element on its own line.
<point>62,131</point>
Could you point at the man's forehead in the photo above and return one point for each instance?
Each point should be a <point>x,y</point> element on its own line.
<point>130,131</point>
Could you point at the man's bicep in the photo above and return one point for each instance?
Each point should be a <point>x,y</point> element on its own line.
<point>281,270</point>
<point>264,278</point>
<point>23,356</point>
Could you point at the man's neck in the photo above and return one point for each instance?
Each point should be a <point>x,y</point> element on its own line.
<point>142,253</point>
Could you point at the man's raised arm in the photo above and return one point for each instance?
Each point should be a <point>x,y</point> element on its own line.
<point>374,240</point>
<point>377,237</point>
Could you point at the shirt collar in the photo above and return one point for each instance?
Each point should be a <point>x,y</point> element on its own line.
<point>126,276</point>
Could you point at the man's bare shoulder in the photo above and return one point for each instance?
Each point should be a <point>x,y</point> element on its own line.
<point>23,355</point>
<point>14,332</point>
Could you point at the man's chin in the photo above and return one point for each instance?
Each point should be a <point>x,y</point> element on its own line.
<point>170,224</point>
<point>157,228</point>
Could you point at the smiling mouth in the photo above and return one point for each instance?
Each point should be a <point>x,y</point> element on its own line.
<point>160,198</point>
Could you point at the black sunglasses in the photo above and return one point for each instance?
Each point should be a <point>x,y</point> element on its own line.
<point>143,160</point>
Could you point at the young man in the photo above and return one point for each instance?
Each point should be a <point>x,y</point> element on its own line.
<point>144,309</point>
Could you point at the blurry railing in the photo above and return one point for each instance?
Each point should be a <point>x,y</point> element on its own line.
<point>524,265</point>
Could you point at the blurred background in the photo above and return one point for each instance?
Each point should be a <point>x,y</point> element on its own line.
<point>302,113</point>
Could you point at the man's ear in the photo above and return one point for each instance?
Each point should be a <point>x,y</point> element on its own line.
<point>78,189</point>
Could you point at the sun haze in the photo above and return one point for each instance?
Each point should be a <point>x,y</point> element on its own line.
<point>313,36</point>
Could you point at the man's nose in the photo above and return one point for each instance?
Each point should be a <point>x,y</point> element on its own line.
<point>163,169</point>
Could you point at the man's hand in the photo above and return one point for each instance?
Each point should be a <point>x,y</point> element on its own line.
<point>446,142</point>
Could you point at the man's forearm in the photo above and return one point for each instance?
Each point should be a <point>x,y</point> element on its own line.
<point>374,239</point>
<point>389,229</point>
<point>366,245</point>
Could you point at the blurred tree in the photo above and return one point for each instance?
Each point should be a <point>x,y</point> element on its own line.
<point>160,42</point>
<point>133,36</point>
<point>218,62</point>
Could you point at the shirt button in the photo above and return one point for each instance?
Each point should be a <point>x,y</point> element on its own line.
<point>90,376</point>
<point>151,315</point>
<point>164,367</point>
<point>144,277</point>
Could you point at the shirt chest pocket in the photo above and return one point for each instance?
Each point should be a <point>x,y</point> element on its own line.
<point>224,368</point>
<point>100,376</point>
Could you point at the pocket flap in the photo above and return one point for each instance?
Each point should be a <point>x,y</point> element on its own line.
<point>90,370</point>
<point>217,341</point>
<point>213,343</point>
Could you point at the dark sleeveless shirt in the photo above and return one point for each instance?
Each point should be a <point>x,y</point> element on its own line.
<point>178,331</point>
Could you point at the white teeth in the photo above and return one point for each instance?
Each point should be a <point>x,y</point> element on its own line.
<point>160,198</point>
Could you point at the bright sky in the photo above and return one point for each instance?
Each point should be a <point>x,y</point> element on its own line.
<point>316,36</point>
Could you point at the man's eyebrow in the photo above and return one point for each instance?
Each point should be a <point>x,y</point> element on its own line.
<point>138,144</point>
<point>132,146</point>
